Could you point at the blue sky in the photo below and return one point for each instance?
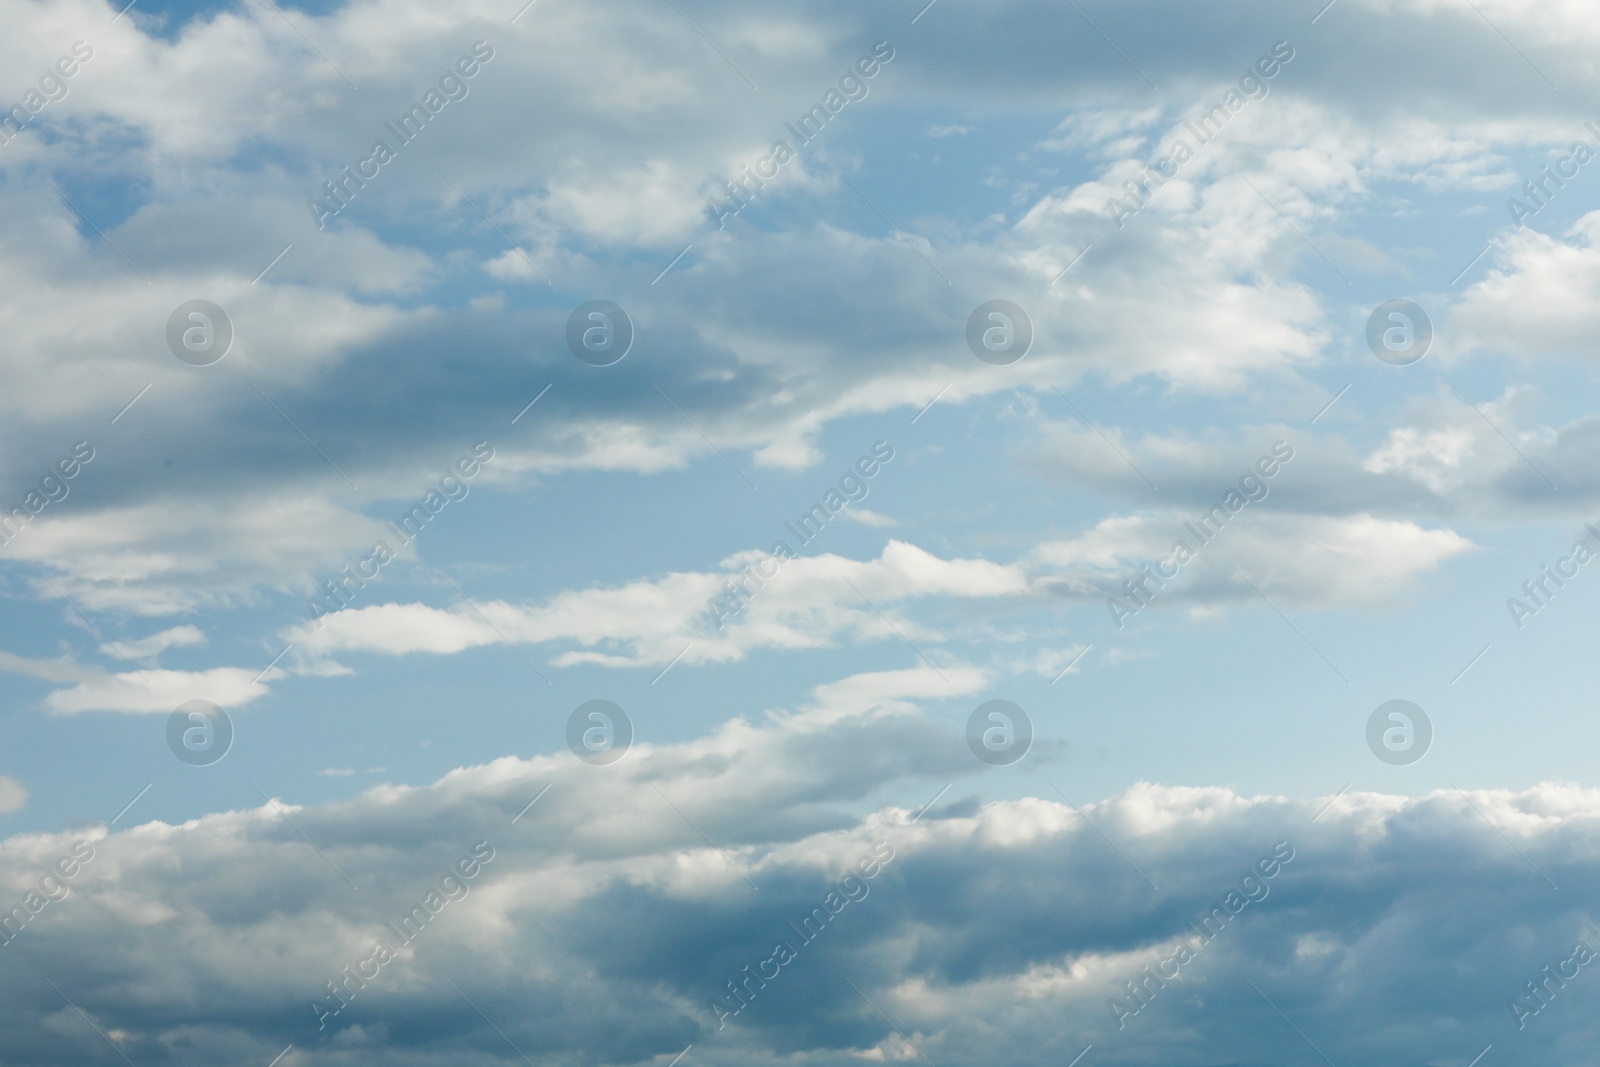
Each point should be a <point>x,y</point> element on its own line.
<point>1173,347</point>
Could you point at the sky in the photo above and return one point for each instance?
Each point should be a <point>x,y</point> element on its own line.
<point>681,532</point>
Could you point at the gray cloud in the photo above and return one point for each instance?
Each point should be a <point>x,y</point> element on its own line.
<point>604,927</point>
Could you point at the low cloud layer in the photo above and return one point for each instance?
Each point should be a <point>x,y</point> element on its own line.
<point>600,926</point>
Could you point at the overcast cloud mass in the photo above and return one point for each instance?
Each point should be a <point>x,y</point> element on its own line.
<point>689,533</point>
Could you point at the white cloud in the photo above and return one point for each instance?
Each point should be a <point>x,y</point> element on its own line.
<point>887,693</point>
<point>149,648</point>
<point>1358,563</point>
<point>125,558</point>
<point>162,690</point>
<point>140,690</point>
<point>1188,294</point>
<point>809,603</point>
<point>1541,301</point>
<point>868,517</point>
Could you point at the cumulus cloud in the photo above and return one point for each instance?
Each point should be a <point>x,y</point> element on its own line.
<point>605,928</point>
<point>620,914</point>
<point>1542,299</point>
<point>1188,294</point>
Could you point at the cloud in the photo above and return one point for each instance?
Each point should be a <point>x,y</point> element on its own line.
<point>619,908</point>
<point>604,927</point>
<point>1441,454</point>
<point>149,648</point>
<point>886,693</point>
<point>808,604</point>
<point>1541,300</point>
<point>354,308</point>
<point>1190,295</point>
<point>145,688</point>
<point>868,517</point>
<point>1357,563</point>
<point>162,690</point>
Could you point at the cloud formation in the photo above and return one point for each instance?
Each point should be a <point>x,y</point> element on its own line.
<point>605,928</point>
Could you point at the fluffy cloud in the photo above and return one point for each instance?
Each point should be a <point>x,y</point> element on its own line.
<point>1542,299</point>
<point>618,907</point>
<point>611,175</point>
<point>605,929</point>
